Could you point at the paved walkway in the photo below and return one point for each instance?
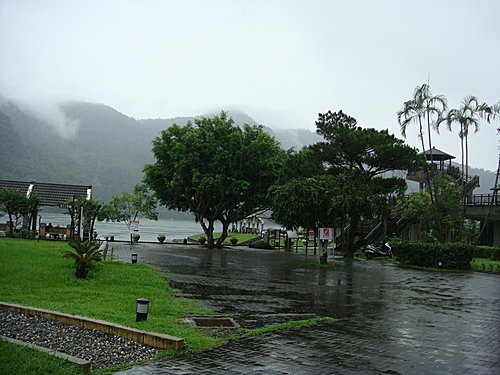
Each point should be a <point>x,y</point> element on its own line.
<point>390,320</point>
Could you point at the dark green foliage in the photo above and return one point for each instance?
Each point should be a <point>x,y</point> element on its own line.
<point>439,222</point>
<point>20,209</point>
<point>490,252</point>
<point>216,170</point>
<point>261,245</point>
<point>451,255</point>
<point>344,180</point>
<point>84,253</point>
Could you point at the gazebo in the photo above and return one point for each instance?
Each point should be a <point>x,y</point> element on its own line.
<point>251,224</point>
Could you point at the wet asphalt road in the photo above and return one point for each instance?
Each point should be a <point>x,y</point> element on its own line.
<point>390,320</point>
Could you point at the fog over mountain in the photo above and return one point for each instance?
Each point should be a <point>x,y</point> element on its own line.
<point>89,143</point>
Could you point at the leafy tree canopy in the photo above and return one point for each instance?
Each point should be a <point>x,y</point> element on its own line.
<point>20,208</point>
<point>216,170</point>
<point>130,206</point>
<point>348,184</point>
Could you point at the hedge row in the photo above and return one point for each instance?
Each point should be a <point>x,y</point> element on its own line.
<point>438,255</point>
<point>489,252</point>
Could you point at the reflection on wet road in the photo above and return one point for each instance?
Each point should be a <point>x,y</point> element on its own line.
<point>391,320</point>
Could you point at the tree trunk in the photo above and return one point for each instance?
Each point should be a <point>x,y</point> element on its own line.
<point>353,226</point>
<point>323,252</point>
<point>209,231</point>
<point>225,228</point>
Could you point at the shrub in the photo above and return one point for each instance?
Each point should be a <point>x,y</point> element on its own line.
<point>261,245</point>
<point>489,252</point>
<point>83,253</point>
<point>451,255</point>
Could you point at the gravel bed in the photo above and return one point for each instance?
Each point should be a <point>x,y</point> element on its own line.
<point>101,348</point>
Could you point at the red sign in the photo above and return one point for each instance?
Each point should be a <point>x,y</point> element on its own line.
<point>311,235</point>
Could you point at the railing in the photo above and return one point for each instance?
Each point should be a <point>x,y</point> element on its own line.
<point>483,200</point>
<point>456,173</point>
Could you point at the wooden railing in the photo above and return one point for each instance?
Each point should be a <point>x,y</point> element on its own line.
<point>483,200</point>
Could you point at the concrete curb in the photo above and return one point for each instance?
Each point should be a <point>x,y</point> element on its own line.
<point>153,339</point>
<point>82,363</point>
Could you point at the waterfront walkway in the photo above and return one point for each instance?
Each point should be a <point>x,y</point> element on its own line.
<point>390,320</point>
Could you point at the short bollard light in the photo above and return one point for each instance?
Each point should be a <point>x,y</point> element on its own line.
<point>142,309</point>
<point>134,258</point>
<point>440,264</point>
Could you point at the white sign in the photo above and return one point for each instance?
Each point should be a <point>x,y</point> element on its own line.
<point>326,234</point>
<point>134,226</point>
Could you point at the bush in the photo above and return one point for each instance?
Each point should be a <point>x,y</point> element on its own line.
<point>489,252</point>
<point>84,253</point>
<point>451,255</point>
<point>261,245</point>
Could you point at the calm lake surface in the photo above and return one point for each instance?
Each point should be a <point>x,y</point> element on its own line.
<point>148,229</point>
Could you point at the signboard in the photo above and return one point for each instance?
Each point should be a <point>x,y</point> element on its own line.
<point>326,234</point>
<point>134,226</point>
<point>311,235</point>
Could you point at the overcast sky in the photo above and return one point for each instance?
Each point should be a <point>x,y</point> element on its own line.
<point>282,62</point>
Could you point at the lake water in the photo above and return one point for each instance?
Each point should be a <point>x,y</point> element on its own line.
<point>148,229</point>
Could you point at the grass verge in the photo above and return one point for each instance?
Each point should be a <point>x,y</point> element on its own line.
<point>241,237</point>
<point>485,265</point>
<point>287,325</point>
<point>16,359</point>
<point>33,273</point>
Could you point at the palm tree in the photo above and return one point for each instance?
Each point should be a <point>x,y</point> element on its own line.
<point>468,115</point>
<point>423,107</point>
<point>83,254</point>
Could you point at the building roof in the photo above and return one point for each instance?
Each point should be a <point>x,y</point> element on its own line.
<point>51,194</point>
<point>437,155</point>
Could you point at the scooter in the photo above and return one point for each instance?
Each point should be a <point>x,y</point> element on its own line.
<point>372,251</point>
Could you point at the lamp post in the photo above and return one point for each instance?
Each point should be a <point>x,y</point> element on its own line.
<point>141,309</point>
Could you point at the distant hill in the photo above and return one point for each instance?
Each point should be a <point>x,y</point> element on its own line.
<point>108,149</point>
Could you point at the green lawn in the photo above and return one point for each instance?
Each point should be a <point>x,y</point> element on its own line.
<point>33,273</point>
<point>242,237</point>
<point>486,265</point>
<point>34,363</point>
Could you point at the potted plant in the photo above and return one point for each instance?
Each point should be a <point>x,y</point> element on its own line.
<point>136,237</point>
<point>161,238</point>
<point>233,241</point>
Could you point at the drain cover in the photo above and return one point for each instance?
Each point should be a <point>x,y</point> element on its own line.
<point>210,322</point>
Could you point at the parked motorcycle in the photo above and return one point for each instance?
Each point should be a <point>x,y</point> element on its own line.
<point>373,250</point>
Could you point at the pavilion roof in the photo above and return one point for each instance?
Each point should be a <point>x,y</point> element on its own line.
<point>437,155</point>
<point>51,194</point>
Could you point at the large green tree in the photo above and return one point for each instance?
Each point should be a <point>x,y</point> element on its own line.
<point>216,170</point>
<point>353,159</point>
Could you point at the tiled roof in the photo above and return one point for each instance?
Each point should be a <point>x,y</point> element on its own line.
<point>437,155</point>
<point>15,185</point>
<point>51,194</point>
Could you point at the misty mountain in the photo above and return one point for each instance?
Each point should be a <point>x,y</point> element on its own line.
<point>107,148</point>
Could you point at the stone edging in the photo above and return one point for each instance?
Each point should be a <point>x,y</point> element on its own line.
<point>82,363</point>
<point>156,340</point>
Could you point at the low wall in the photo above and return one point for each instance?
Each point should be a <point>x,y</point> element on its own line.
<point>154,339</point>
